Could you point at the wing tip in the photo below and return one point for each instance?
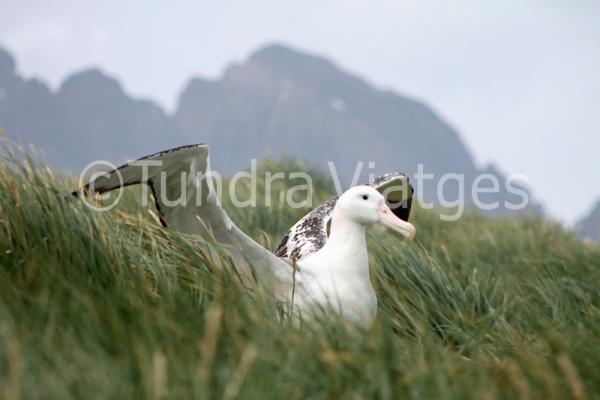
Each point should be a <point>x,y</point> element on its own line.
<point>171,150</point>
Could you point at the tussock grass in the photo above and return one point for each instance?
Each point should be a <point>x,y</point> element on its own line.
<point>110,305</point>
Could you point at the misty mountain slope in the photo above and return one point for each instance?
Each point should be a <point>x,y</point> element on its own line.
<point>278,101</point>
<point>110,122</point>
<point>589,226</point>
<point>88,118</point>
<point>283,101</point>
<point>27,107</point>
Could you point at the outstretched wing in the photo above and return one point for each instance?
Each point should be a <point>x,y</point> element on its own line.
<point>185,198</point>
<point>183,190</point>
<point>309,234</point>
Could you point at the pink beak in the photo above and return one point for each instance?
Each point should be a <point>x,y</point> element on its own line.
<point>387,218</point>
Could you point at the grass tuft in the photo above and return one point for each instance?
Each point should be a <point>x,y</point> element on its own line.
<point>110,305</point>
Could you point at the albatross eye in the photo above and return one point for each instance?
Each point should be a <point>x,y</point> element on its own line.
<point>365,196</point>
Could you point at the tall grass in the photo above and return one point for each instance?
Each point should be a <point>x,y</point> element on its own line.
<point>110,305</point>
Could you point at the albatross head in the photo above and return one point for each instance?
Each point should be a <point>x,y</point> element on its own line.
<point>365,205</point>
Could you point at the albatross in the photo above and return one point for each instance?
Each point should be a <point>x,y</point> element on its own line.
<point>312,270</point>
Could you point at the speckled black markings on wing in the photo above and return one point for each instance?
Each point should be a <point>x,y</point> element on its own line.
<point>309,234</point>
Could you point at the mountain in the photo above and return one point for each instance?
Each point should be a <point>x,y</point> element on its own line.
<point>589,226</point>
<point>89,117</point>
<point>284,101</point>
<point>278,101</point>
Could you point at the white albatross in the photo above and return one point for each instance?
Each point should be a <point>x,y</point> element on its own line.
<point>310,269</point>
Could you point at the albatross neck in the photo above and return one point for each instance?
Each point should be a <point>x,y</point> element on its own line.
<point>346,237</point>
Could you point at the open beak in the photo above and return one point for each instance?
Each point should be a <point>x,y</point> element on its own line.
<point>387,218</point>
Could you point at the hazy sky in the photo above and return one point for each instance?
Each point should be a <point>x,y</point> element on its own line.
<point>520,80</point>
